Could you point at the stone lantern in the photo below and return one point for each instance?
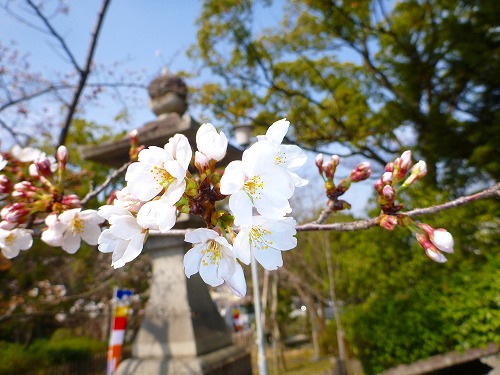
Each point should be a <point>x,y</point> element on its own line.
<point>182,331</point>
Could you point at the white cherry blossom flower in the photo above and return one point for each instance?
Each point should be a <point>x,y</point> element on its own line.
<point>213,258</point>
<point>265,239</point>
<point>210,143</point>
<point>25,154</point>
<point>160,169</point>
<point>290,157</point>
<point>79,225</point>
<point>128,201</point>
<point>53,234</point>
<point>158,214</point>
<point>256,181</point>
<point>124,238</point>
<point>15,240</point>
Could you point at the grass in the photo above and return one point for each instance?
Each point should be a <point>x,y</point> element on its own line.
<point>298,361</point>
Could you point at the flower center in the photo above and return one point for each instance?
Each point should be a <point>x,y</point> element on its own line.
<point>258,237</point>
<point>161,176</point>
<point>10,239</point>
<point>77,225</point>
<point>212,253</point>
<point>252,186</point>
<point>280,158</point>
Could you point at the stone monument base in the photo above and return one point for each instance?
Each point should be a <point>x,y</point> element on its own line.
<point>231,360</point>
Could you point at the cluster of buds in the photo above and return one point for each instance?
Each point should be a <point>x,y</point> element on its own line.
<point>393,181</point>
<point>39,193</point>
<point>333,192</point>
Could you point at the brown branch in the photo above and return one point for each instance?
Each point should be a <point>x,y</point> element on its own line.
<point>105,184</point>
<point>55,34</point>
<point>84,73</point>
<point>492,192</point>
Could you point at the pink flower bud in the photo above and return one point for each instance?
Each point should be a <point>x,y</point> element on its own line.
<point>134,140</point>
<point>405,161</point>
<point>389,167</point>
<point>43,165</point>
<point>378,186</point>
<point>387,178</point>
<point>335,160</point>
<point>440,237</point>
<point>431,250</point>
<point>319,162</point>
<point>71,201</point>
<point>328,169</point>
<point>388,222</point>
<point>15,213</point>
<point>361,172</point>
<point>388,193</point>
<point>6,185</point>
<point>62,156</point>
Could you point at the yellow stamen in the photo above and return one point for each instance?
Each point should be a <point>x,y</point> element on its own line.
<point>213,252</point>
<point>258,237</point>
<point>10,239</point>
<point>77,225</point>
<point>253,186</point>
<point>161,176</point>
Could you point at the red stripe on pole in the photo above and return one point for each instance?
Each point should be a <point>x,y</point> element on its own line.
<point>120,322</point>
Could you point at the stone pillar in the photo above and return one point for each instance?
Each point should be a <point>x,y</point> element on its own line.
<point>182,331</point>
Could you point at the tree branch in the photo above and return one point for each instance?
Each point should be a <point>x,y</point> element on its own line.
<point>85,73</point>
<point>105,184</point>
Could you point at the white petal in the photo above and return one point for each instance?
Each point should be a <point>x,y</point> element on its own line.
<point>71,242</point>
<point>192,261</point>
<point>200,235</point>
<point>233,178</point>
<point>443,240</point>
<point>208,273</point>
<point>277,131</point>
<point>270,259</point>
<point>10,252</point>
<point>237,282</point>
<point>241,207</point>
<point>241,246</point>
<point>292,157</point>
<point>257,159</point>
<point>91,233</point>
<point>68,215</point>
<point>436,256</point>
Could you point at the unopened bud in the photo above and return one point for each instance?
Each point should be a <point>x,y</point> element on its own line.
<point>361,172</point>
<point>6,185</point>
<point>329,170</point>
<point>378,185</point>
<point>43,166</point>
<point>418,171</point>
<point>388,193</point>
<point>387,178</point>
<point>405,161</point>
<point>440,237</point>
<point>134,139</point>
<point>389,167</point>
<point>319,162</point>
<point>62,157</point>
<point>431,250</point>
<point>335,160</point>
<point>71,201</point>
<point>388,222</point>
<point>15,213</point>
<point>201,161</point>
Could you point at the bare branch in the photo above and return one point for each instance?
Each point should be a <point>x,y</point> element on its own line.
<point>56,35</point>
<point>85,73</point>
<point>105,184</point>
<point>492,192</point>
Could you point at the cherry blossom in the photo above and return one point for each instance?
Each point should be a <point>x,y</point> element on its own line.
<point>265,239</point>
<point>15,240</point>
<point>160,170</point>
<point>256,181</point>
<point>210,143</point>
<point>213,258</point>
<point>124,238</point>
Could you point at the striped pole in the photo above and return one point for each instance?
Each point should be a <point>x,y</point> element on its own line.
<point>121,311</point>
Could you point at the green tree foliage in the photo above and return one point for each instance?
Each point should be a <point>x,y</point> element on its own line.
<point>377,76</point>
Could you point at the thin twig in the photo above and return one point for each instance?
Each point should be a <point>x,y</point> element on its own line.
<point>105,184</point>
